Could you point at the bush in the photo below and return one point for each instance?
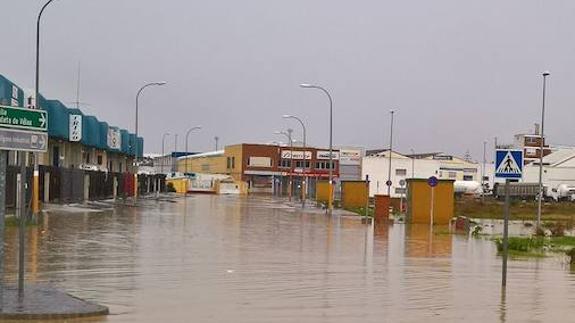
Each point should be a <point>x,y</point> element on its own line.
<point>521,244</point>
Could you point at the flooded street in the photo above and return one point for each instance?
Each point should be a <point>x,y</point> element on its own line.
<point>233,259</point>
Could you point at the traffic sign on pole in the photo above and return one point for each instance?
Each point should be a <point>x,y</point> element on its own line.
<point>432,181</point>
<point>20,118</point>
<point>508,163</point>
<point>12,139</point>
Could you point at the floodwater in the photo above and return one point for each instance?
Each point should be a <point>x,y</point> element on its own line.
<point>234,259</point>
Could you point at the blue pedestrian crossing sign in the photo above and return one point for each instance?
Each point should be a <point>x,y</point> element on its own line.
<point>508,163</point>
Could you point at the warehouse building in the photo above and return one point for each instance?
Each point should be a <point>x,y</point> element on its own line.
<point>266,168</point>
<point>376,166</point>
<point>85,158</point>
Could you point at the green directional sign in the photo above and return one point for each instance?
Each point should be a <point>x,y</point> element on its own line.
<point>20,118</point>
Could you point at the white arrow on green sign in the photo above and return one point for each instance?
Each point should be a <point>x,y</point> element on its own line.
<point>20,118</point>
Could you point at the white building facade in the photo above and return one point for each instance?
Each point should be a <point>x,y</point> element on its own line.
<point>420,166</point>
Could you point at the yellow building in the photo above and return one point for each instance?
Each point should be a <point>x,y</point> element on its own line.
<point>208,163</point>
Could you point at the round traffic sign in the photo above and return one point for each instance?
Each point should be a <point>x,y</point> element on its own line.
<point>402,182</point>
<point>432,181</point>
<point>388,183</point>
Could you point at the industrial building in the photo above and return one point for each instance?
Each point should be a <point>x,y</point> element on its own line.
<point>268,168</point>
<point>86,158</point>
<point>376,166</point>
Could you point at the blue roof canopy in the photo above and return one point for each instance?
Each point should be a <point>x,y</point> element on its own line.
<point>58,119</point>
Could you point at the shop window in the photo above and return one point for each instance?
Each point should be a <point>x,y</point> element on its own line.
<point>452,174</point>
<point>467,177</point>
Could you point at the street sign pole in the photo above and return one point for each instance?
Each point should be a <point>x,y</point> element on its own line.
<point>22,130</point>
<point>22,214</point>
<point>432,182</point>
<point>505,236</point>
<point>3,157</point>
<point>367,198</point>
<point>508,165</point>
<point>431,210</point>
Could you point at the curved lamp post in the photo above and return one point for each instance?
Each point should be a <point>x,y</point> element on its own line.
<point>187,135</point>
<point>312,86</point>
<point>288,134</point>
<point>134,144</point>
<point>304,186</point>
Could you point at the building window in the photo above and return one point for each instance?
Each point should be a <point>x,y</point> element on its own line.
<point>302,164</point>
<point>231,162</point>
<point>285,163</point>
<point>322,165</point>
<point>87,160</point>
<point>100,160</point>
<point>452,174</point>
<point>401,172</point>
<point>467,177</point>
<point>486,178</point>
<point>531,141</point>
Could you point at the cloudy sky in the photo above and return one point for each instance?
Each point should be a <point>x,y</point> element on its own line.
<point>457,72</point>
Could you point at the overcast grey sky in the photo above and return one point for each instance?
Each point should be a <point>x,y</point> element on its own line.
<point>457,72</point>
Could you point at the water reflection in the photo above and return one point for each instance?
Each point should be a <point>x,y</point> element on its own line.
<point>424,241</point>
<point>236,259</point>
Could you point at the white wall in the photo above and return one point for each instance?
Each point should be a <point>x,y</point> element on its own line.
<point>377,169</point>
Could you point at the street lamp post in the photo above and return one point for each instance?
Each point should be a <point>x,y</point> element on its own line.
<point>134,148</point>
<point>483,172</point>
<point>304,184</point>
<point>311,86</point>
<point>163,146</point>
<point>545,74</point>
<point>187,135</point>
<point>36,177</point>
<point>390,153</point>
<point>162,161</point>
<point>216,139</point>
<point>288,134</point>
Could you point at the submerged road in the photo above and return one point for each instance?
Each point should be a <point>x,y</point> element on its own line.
<point>234,259</point>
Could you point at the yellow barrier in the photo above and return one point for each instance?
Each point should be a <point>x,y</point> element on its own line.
<point>179,184</point>
<point>419,201</point>
<point>322,191</point>
<point>354,194</point>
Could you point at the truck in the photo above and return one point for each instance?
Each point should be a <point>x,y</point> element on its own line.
<point>523,191</point>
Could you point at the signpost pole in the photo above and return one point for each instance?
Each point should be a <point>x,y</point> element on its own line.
<point>21,130</point>
<point>22,215</point>
<point>505,235</point>
<point>3,156</point>
<point>508,164</point>
<point>367,198</point>
<point>431,210</point>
